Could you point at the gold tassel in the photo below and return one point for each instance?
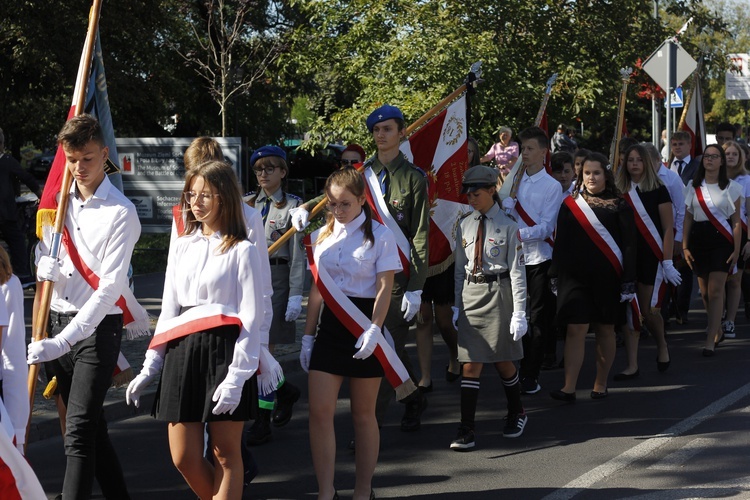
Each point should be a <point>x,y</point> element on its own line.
<point>49,391</point>
<point>44,217</point>
<point>123,378</point>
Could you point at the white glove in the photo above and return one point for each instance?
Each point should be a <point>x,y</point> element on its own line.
<point>410,304</point>
<point>518,325</point>
<point>455,317</point>
<point>227,396</point>
<point>509,204</point>
<point>293,308</point>
<point>306,351</point>
<point>671,274</point>
<point>47,350</point>
<point>627,291</point>
<point>299,218</point>
<point>48,269</point>
<point>367,342</point>
<point>151,366</point>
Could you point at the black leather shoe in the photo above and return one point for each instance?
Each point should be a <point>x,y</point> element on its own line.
<point>286,396</point>
<point>627,376</point>
<point>260,431</point>
<point>568,397</point>
<point>662,366</point>
<point>599,395</point>
<point>412,419</point>
<point>450,376</point>
<point>708,353</point>
<point>425,388</point>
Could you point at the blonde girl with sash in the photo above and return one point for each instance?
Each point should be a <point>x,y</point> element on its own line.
<point>207,339</point>
<point>652,207</point>
<point>712,233</point>
<point>736,171</point>
<point>358,258</point>
<point>593,271</point>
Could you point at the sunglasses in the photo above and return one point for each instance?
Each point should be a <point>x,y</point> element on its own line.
<point>349,163</point>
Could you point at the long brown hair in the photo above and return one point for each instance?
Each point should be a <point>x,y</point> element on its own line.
<point>5,268</point>
<point>220,177</point>
<point>649,180</point>
<point>352,181</point>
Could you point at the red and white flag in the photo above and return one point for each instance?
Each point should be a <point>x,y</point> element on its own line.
<point>694,123</point>
<point>440,149</point>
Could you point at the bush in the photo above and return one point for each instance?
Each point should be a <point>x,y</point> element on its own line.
<point>150,254</point>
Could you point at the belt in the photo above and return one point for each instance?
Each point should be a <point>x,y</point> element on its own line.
<point>487,278</point>
<point>279,262</point>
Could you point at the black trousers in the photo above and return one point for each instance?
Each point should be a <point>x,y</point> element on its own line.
<point>540,308</point>
<point>19,256</point>
<point>83,377</point>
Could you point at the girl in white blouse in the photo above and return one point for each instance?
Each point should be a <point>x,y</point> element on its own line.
<point>711,235</point>
<point>207,337</point>
<point>361,258</point>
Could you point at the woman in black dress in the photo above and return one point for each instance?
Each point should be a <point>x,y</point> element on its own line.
<point>652,207</point>
<point>593,271</point>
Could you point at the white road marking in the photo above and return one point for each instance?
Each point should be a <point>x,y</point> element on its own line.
<point>739,488</point>
<point>645,448</point>
<point>674,460</point>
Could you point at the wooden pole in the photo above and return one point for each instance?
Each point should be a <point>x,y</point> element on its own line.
<point>39,330</point>
<point>615,152</point>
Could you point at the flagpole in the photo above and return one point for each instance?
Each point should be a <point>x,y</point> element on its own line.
<point>614,155</point>
<point>433,111</point>
<point>39,331</point>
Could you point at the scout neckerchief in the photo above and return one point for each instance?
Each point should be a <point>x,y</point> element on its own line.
<point>604,241</point>
<point>714,215</point>
<point>356,322</point>
<point>648,231</point>
<point>381,214</point>
<point>206,316</point>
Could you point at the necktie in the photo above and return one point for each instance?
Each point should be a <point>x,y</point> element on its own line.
<point>265,209</point>
<point>383,178</point>
<point>680,164</point>
<point>479,246</point>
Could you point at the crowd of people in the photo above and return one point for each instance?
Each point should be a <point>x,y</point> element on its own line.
<point>576,247</point>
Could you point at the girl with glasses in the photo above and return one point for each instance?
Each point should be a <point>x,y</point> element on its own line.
<point>712,232</point>
<point>287,277</point>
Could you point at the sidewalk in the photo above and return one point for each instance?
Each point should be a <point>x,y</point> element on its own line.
<point>148,289</point>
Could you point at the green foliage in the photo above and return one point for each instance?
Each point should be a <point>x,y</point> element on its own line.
<point>150,254</point>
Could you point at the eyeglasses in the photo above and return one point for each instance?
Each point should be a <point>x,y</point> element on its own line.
<point>346,163</point>
<point>192,197</point>
<point>712,157</point>
<point>335,207</point>
<point>268,170</point>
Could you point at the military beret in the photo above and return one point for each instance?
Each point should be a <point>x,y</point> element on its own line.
<point>267,151</point>
<point>478,177</point>
<point>383,113</point>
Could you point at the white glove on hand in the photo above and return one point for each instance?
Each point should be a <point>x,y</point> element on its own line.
<point>306,351</point>
<point>367,342</point>
<point>455,317</point>
<point>671,274</point>
<point>299,218</point>
<point>47,350</point>
<point>48,269</point>
<point>509,204</point>
<point>227,395</point>
<point>518,325</point>
<point>410,304</point>
<point>133,392</point>
<point>293,308</point>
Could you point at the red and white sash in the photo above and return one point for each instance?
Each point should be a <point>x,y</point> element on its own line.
<point>135,316</point>
<point>525,220</point>
<point>648,230</point>
<point>179,220</point>
<point>715,216</point>
<point>357,322</point>
<point>207,316</point>
<point>17,479</point>
<point>381,214</point>
<point>596,231</point>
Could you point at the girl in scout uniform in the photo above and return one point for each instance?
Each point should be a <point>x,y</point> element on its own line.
<point>490,288</point>
<point>287,276</point>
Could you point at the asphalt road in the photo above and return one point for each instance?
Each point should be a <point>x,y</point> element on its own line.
<point>674,435</point>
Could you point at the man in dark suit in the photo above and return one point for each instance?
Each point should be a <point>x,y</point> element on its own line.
<point>682,163</point>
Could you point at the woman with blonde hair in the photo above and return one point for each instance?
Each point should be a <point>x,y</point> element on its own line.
<point>652,207</point>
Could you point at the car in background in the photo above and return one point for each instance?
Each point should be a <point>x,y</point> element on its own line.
<point>41,165</point>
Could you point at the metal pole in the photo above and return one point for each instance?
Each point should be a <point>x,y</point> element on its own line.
<point>655,111</point>
<point>671,77</point>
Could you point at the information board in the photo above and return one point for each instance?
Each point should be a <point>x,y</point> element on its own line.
<point>153,174</point>
<point>738,77</point>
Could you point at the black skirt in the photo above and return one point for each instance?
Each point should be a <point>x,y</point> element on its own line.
<point>194,366</point>
<point>710,249</point>
<point>334,346</point>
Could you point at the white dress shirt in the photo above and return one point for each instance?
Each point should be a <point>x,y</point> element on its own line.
<point>676,164</point>
<point>677,192</point>
<point>198,274</point>
<point>14,372</point>
<point>723,199</point>
<point>354,262</point>
<point>541,196</point>
<point>107,223</point>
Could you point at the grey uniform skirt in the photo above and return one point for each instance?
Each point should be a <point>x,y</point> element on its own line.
<point>282,331</point>
<point>484,324</point>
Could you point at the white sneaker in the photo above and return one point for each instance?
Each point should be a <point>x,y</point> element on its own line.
<point>728,328</point>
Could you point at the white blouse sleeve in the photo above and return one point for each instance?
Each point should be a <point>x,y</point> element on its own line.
<point>387,251</point>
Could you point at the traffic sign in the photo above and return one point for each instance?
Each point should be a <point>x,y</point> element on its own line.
<point>676,100</point>
<point>682,65</point>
